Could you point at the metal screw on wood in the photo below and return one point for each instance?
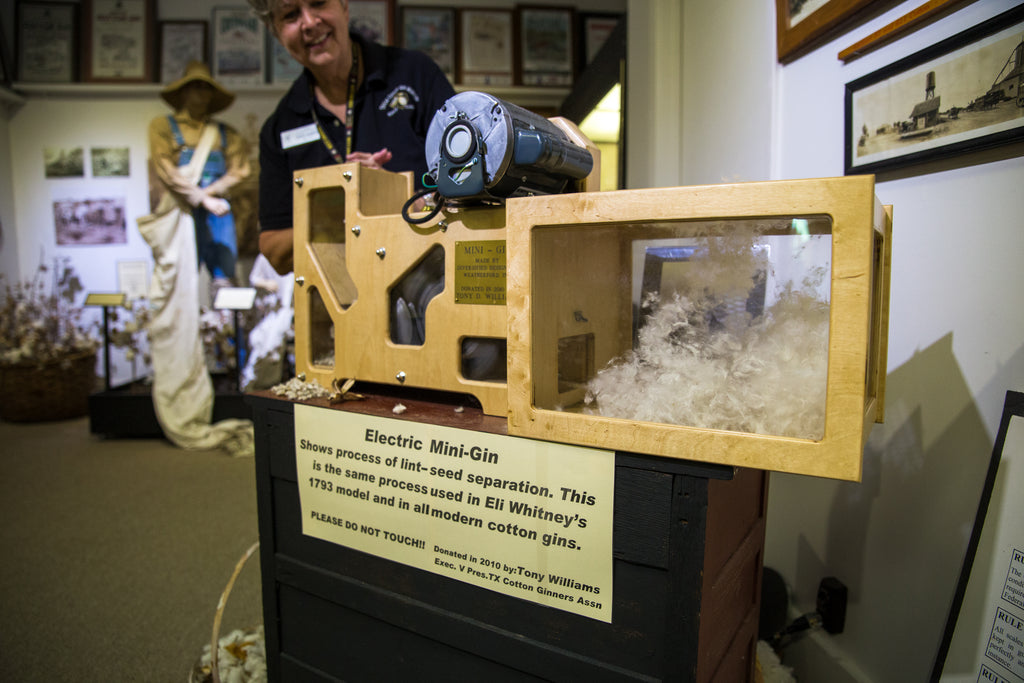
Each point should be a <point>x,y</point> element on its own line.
<point>356,230</point>
<point>298,181</point>
<point>300,280</point>
<point>400,377</point>
<point>381,252</point>
<point>301,377</point>
<point>347,175</point>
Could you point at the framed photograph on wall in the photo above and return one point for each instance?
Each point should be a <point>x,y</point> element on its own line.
<point>239,47</point>
<point>801,24</point>
<point>594,29</point>
<point>46,42</point>
<point>181,42</point>
<point>486,47</point>
<point>118,38</point>
<point>962,94</point>
<point>373,19</point>
<point>431,30</point>
<point>283,67</point>
<point>546,45</point>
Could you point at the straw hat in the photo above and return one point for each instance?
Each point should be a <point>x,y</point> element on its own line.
<point>197,71</point>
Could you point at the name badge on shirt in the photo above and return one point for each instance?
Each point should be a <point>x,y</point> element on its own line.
<point>299,136</point>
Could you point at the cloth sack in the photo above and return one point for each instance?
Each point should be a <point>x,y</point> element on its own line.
<point>182,389</point>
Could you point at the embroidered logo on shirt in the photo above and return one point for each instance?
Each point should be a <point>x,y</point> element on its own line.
<point>402,98</point>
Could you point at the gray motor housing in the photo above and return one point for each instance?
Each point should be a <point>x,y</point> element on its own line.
<point>481,147</point>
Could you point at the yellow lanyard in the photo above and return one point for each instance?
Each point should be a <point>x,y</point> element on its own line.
<point>350,117</point>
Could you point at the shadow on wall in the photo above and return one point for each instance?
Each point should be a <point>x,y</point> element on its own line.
<point>897,539</point>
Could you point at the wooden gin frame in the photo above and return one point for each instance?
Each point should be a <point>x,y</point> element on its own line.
<point>351,247</point>
<point>557,243</point>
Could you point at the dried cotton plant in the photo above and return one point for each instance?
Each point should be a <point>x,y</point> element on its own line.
<point>39,321</point>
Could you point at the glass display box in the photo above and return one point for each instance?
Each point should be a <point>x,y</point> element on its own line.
<point>740,324</point>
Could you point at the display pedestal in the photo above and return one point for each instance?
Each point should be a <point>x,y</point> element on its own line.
<point>688,544</point>
<point>127,411</point>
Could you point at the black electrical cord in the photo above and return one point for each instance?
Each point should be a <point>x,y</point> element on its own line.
<point>438,204</point>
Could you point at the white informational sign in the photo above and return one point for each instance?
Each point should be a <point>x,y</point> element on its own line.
<point>526,518</point>
<point>988,641</point>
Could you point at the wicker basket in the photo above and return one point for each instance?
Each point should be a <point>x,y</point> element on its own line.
<point>57,390</point>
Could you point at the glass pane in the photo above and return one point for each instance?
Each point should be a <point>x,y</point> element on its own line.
<point>713,324</point>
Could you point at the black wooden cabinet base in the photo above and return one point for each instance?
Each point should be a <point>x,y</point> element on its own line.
<point>688,542</point>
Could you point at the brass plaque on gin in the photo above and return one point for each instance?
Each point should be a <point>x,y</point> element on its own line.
<point>480,272</point>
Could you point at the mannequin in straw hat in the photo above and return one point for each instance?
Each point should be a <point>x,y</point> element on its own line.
<point>195,98</point>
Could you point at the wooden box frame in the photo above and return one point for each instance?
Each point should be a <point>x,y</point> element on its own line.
<point>858,320</point>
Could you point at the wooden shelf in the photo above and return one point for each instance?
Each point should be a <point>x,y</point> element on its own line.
<point>524,96</point>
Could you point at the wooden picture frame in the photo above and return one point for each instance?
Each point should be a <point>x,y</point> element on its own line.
<point>46,42</point>
<point>802,24</point>
<point>433,31</point>
<point>956,96</point>
<point>239,47</point>
<point>546,45</point>
<point>181,42</point>
<point>373,19</point>
<point>118,41</point>
<point>487,47</point>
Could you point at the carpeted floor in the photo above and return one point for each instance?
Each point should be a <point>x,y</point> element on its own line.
<point>114,553</point>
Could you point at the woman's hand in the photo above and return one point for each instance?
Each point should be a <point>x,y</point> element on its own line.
<point>371,160</point>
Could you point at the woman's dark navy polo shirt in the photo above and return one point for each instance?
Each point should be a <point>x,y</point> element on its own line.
<point>401,91</point>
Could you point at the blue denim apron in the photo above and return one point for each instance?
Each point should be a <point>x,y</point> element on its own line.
<point>216,245</point>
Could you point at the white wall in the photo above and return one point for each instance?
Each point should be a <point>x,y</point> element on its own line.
<point>955,348</point>
<point>956,328</point>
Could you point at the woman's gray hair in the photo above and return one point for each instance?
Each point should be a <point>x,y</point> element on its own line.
<point>264,9</point>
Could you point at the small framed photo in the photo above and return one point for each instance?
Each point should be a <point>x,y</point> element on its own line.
<point>111,162</point>
<point>118,41</point>
<point>181,42</point>
<point>594,29</point>
<point>373,19</point>
<point>283,67</point>
<point>962,94</point>
<point>47,42</point>
<point>546,45</point>
<point>432,30</point>
<point>487,47</point>
<point>239,47</point>
<point>802,24</point>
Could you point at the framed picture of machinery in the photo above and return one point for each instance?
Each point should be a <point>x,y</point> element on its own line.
<point>802,24</point>
<point>119,41</point>
<point>963,94</point>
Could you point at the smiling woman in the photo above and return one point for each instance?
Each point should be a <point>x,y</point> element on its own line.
<point>355,101</point>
